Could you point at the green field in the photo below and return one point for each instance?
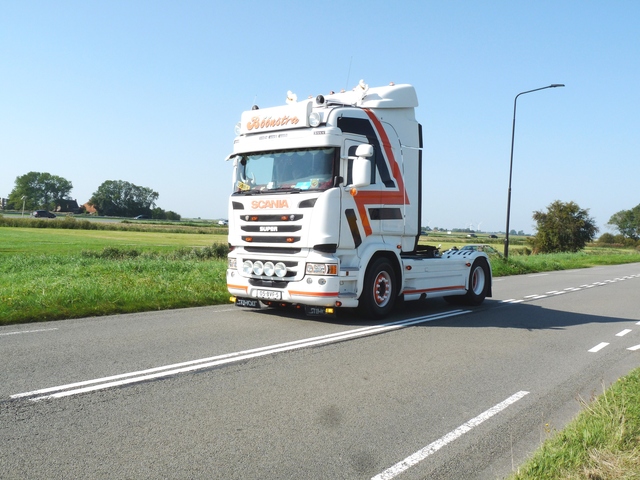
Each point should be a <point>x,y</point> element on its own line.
<point>53,241</point>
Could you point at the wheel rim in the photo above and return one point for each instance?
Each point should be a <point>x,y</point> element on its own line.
<point>477,281</point>
<point>382,289</point>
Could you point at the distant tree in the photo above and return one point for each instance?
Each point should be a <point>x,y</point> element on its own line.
<point>606,239</point>
<point>40,191</point>
<point>627,222</point>
<point>564,227</point>
<point>123,199</point>
<point>160,214</point>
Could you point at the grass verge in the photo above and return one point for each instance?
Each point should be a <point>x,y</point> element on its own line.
<point>51,287</point>
<point>602,442</point>
<point>590,257</point>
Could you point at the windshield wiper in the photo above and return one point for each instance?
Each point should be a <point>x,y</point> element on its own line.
<point>249,192</point>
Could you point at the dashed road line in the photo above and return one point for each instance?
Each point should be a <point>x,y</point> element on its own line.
<point>598,347</point>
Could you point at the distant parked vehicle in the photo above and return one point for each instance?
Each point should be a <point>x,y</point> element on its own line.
<point>488,249</point>
<point>141,217</point>
<point>43,214</point>
<point>223,222</point>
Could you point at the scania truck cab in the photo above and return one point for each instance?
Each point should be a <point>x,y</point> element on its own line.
<point>326,206</point>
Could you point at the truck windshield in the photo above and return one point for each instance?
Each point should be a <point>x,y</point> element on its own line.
<point>285,170</point>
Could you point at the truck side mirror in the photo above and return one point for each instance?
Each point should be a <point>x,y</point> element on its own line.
<point>361,173</point>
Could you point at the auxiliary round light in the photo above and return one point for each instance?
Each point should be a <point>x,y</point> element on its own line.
<point>269,269</point>
<point>314,119</point>
<point>280,269</point>
<point>258,268</point>
<point>247,267</point>
<point>238,128</point>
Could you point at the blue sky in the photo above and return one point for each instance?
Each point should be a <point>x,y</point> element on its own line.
<point>149,92</point>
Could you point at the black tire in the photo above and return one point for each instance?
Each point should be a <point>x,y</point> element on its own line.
<point>380,289</point>
<point>479,283</point>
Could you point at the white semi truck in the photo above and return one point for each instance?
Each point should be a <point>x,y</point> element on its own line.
<point>326,207</point>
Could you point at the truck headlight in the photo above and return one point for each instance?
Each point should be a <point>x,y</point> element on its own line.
<point>322,269</point>
<point>232,263</point>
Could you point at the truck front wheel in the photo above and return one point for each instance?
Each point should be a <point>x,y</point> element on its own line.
<point>380,289</point>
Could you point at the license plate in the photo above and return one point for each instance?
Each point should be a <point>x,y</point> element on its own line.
<point>268,294</point>
<point>315,311</point>
<point>247,302</point>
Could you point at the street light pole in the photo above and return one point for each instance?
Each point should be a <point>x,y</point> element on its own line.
<point>513,135</point>
<point>23,200</point>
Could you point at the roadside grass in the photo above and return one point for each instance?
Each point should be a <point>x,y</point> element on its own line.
<point>51,287</point>
<point>590,257</point>
<point>602,442</point>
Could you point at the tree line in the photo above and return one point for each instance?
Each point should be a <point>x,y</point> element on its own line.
<point>117,198</point>
<point>563,227</point>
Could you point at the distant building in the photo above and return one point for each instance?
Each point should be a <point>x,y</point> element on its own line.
<point>68,206</point>
<point>89,208</point>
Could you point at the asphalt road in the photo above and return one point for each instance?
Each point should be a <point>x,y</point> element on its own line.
<point>433,392</point>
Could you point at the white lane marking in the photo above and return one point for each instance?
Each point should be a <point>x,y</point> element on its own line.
<point>633,349</point>
<point>598,347</point>
<point>623,332</point>
<point>28,331</point>
<point>566,290</point>
<point>193,365</point>
<point>638,323</point>
<point>430,449</point>
<point>538,275</point>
